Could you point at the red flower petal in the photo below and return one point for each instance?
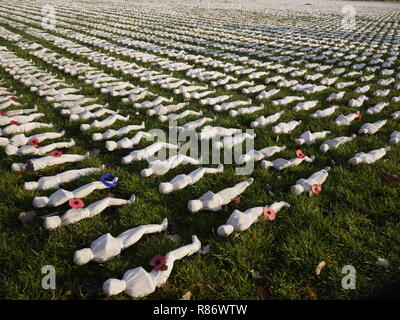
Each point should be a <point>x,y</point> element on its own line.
<point>34,142</point>
<point>2,113</point>
<point>76,203</point>
<point>300,154</point>
<point>15,122</point>
<point>269,213</point>
<point>316,188</point>
<point>158,261</point>
<point>56,153</point>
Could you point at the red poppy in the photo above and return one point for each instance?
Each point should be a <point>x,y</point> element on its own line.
<point>15,122</point>
<point>56,153</point>
<point>34,142</point>
<point>269,213</point>
<point>158,262</point>
<point>316,188</point>
<point>76,203</point>
<point>300,154</point>
<point>2,113</point>
<point>12,97</point>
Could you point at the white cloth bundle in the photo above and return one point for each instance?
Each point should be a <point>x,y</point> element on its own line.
<point>369,157</point>
<point>241,221</point>
<point>74,215</point>
<point>107,247</point>
<point>214,201</point>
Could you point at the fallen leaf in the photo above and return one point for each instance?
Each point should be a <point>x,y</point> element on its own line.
<point>255,274</point>
<point>391,178</point>
<point>186,296</point>
<point>205,249</point>
<point>311,293</point>
<point>27,217</point>
<point>174,237</point>
<point>319,267</point>
<point>236,201</point>
<point>262,293</point>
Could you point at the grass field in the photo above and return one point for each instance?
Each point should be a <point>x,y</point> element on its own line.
<point>354,221</point>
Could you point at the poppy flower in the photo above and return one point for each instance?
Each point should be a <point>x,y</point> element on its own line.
<point>34,142</point>
<point>269,213</point>
<point>12,97</point>
<point>158,262</point>
<point>15,122</point>
<point>56,153</point>
<point>316,188</point>
<point>300,154</point>
<point>76,203</point>
<point>2,113</point>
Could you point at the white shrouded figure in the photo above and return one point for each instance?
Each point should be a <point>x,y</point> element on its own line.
<point>61,195</point>
<point>183,180</point>
<point>241,111</point>
<point>22,128</point>
<point>230,142</point>
<point>54,182</point>
<point>74,215</point>
<point>305,106</point>
<point>240,221</point>
<point>395,137</point>
<point>85,115</point>
<point>139,283</point>
<point>214,100</point>
<point>4,120</point>
<point>333,144</point>
<point>287,100</point>
<point>128,143</point>
<point>336,96</point>
<point>117,133</point>
<point>21,140</point>
<point>214,201</point>
<point>18,112</point>
<point>104,123</point>
<point>161,167</point>
<point>264,121</point>
<point>286,127</point>
<point>43,162</point>
<point>356,103</point>
<point>37,151</point>
<point>281,163</point>
<point>309,137</point>
<point>106,246</point>
<point>192,125</point>
<point>145,153</point>
<point>395,115</point>
<point>177,116</point>
<point>209,132</point>
<point>324,112</point>
<point>343,120</point>
<point>232,104</point>
<point>258,155</point>
<point>369,157</point>
<point>377,108</point>
<point>306,185</point>
<point>371,128</point>
<point>161,110</point>
<point>267,94</point>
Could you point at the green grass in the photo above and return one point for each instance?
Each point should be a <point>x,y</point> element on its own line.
<point>353,221</point>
